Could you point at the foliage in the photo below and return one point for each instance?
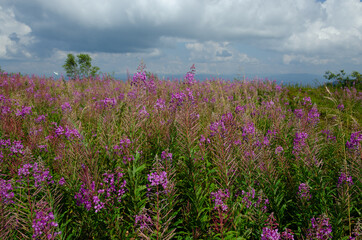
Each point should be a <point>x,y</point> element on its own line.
<point>80,68</point>
<point>344,80</point>
<point>99,158</point>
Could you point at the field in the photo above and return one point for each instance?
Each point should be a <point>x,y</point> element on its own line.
<point>98,158</point>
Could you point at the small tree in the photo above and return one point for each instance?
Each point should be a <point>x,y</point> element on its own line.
<point>345,80</point>
<point>81,68</point>
<point>1,71</point>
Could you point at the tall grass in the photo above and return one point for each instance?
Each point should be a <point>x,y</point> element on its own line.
<point>97,158</point>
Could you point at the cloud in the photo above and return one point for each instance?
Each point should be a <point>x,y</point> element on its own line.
<point>216,52</point>
<point>338,27</point>
<point>289,58</point>
<point>14,35</point>
<point>121,26</point>
<point>214,31</point>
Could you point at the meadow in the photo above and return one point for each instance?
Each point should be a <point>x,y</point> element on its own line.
<point>99,158</point>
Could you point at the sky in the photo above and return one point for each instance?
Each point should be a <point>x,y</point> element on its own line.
<point>243,37</point>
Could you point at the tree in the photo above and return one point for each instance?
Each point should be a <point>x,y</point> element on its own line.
<point>81,68</point>
<point>344,80</point>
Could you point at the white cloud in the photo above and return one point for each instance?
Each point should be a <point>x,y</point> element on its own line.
<point>338,27</point>
<point>216,52</point>
<point>289,58</point>
<point>213,31</point>
<point>14,35</point>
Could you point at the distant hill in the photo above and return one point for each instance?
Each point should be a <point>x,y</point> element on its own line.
<point>290,78</point>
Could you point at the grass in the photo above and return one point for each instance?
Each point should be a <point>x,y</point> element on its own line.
<point>97,158</point>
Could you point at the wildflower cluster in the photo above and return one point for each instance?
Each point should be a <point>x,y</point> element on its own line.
<point>6,191</point>
<point>190,76</point>
<point>68,133</point>
<point>313,115</point>
<point>220,198</point>
<point>106,103</point>
<point>166,156</point>
<point>344,180</point>
<point>320,229</point>
<point>139,77</point>
<point>24,111</point>
<point>250,201</point>
<point>44,224</point>
<point>109,193</point>
<point>271,231</point>
<point>10,148</point>
<point>304,193</point>
<point>157,179</point>
<point>279,150</point>
<point>177,99</point>
<point>143,221</point>
<point>329,136</point>
<point>40,174</point>
<point>249,129</point>
<point>66,107</point>
<point>299,142</point>
<point>354,141</point>
<point>123,149</point>
<point>160,104</point>
<point>299,113</point>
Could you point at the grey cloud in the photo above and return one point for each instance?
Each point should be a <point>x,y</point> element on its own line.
<point>223,53</point>
<point>14,37</point>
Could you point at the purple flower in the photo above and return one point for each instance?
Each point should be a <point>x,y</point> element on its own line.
<point>344,180</point>
<point>178,98</point>
<point>139,77</point>
<point>160,104</point>
<point>43,148</point>
<point>313,115</point>
<point>270,234</point>
<point>38,172</point>
<point>109,192</point>
<point>189,78</point>
<point>106,103</point>
<point>299,113</point>
<point>239,109</point>
<point>340,107</point>
<point>299,142</point>
<point>6,193</point>
<point>25,170</point>
<point>59,130</point>
<point>219,198</point>
<point>16,148</point>
<point>40,118</point>
<point>143,113</point>
<point>250,200</point>
<point>307,101</point>
<point>143,221</point>
<point>278,150</point>
<point>157,179</point>
<point>303,192</point>
<point>287,234</point>
<point>354,141</point>
<point>24,111</point>
<point>43,224</point>
<point>61,181</point>
<point>249,129</point>
<point>329,135</point>
<point>320,229</point>
<point>217,127</point>
<point>66,107</point>
<point>165,155</point>
<point>266,141</point>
